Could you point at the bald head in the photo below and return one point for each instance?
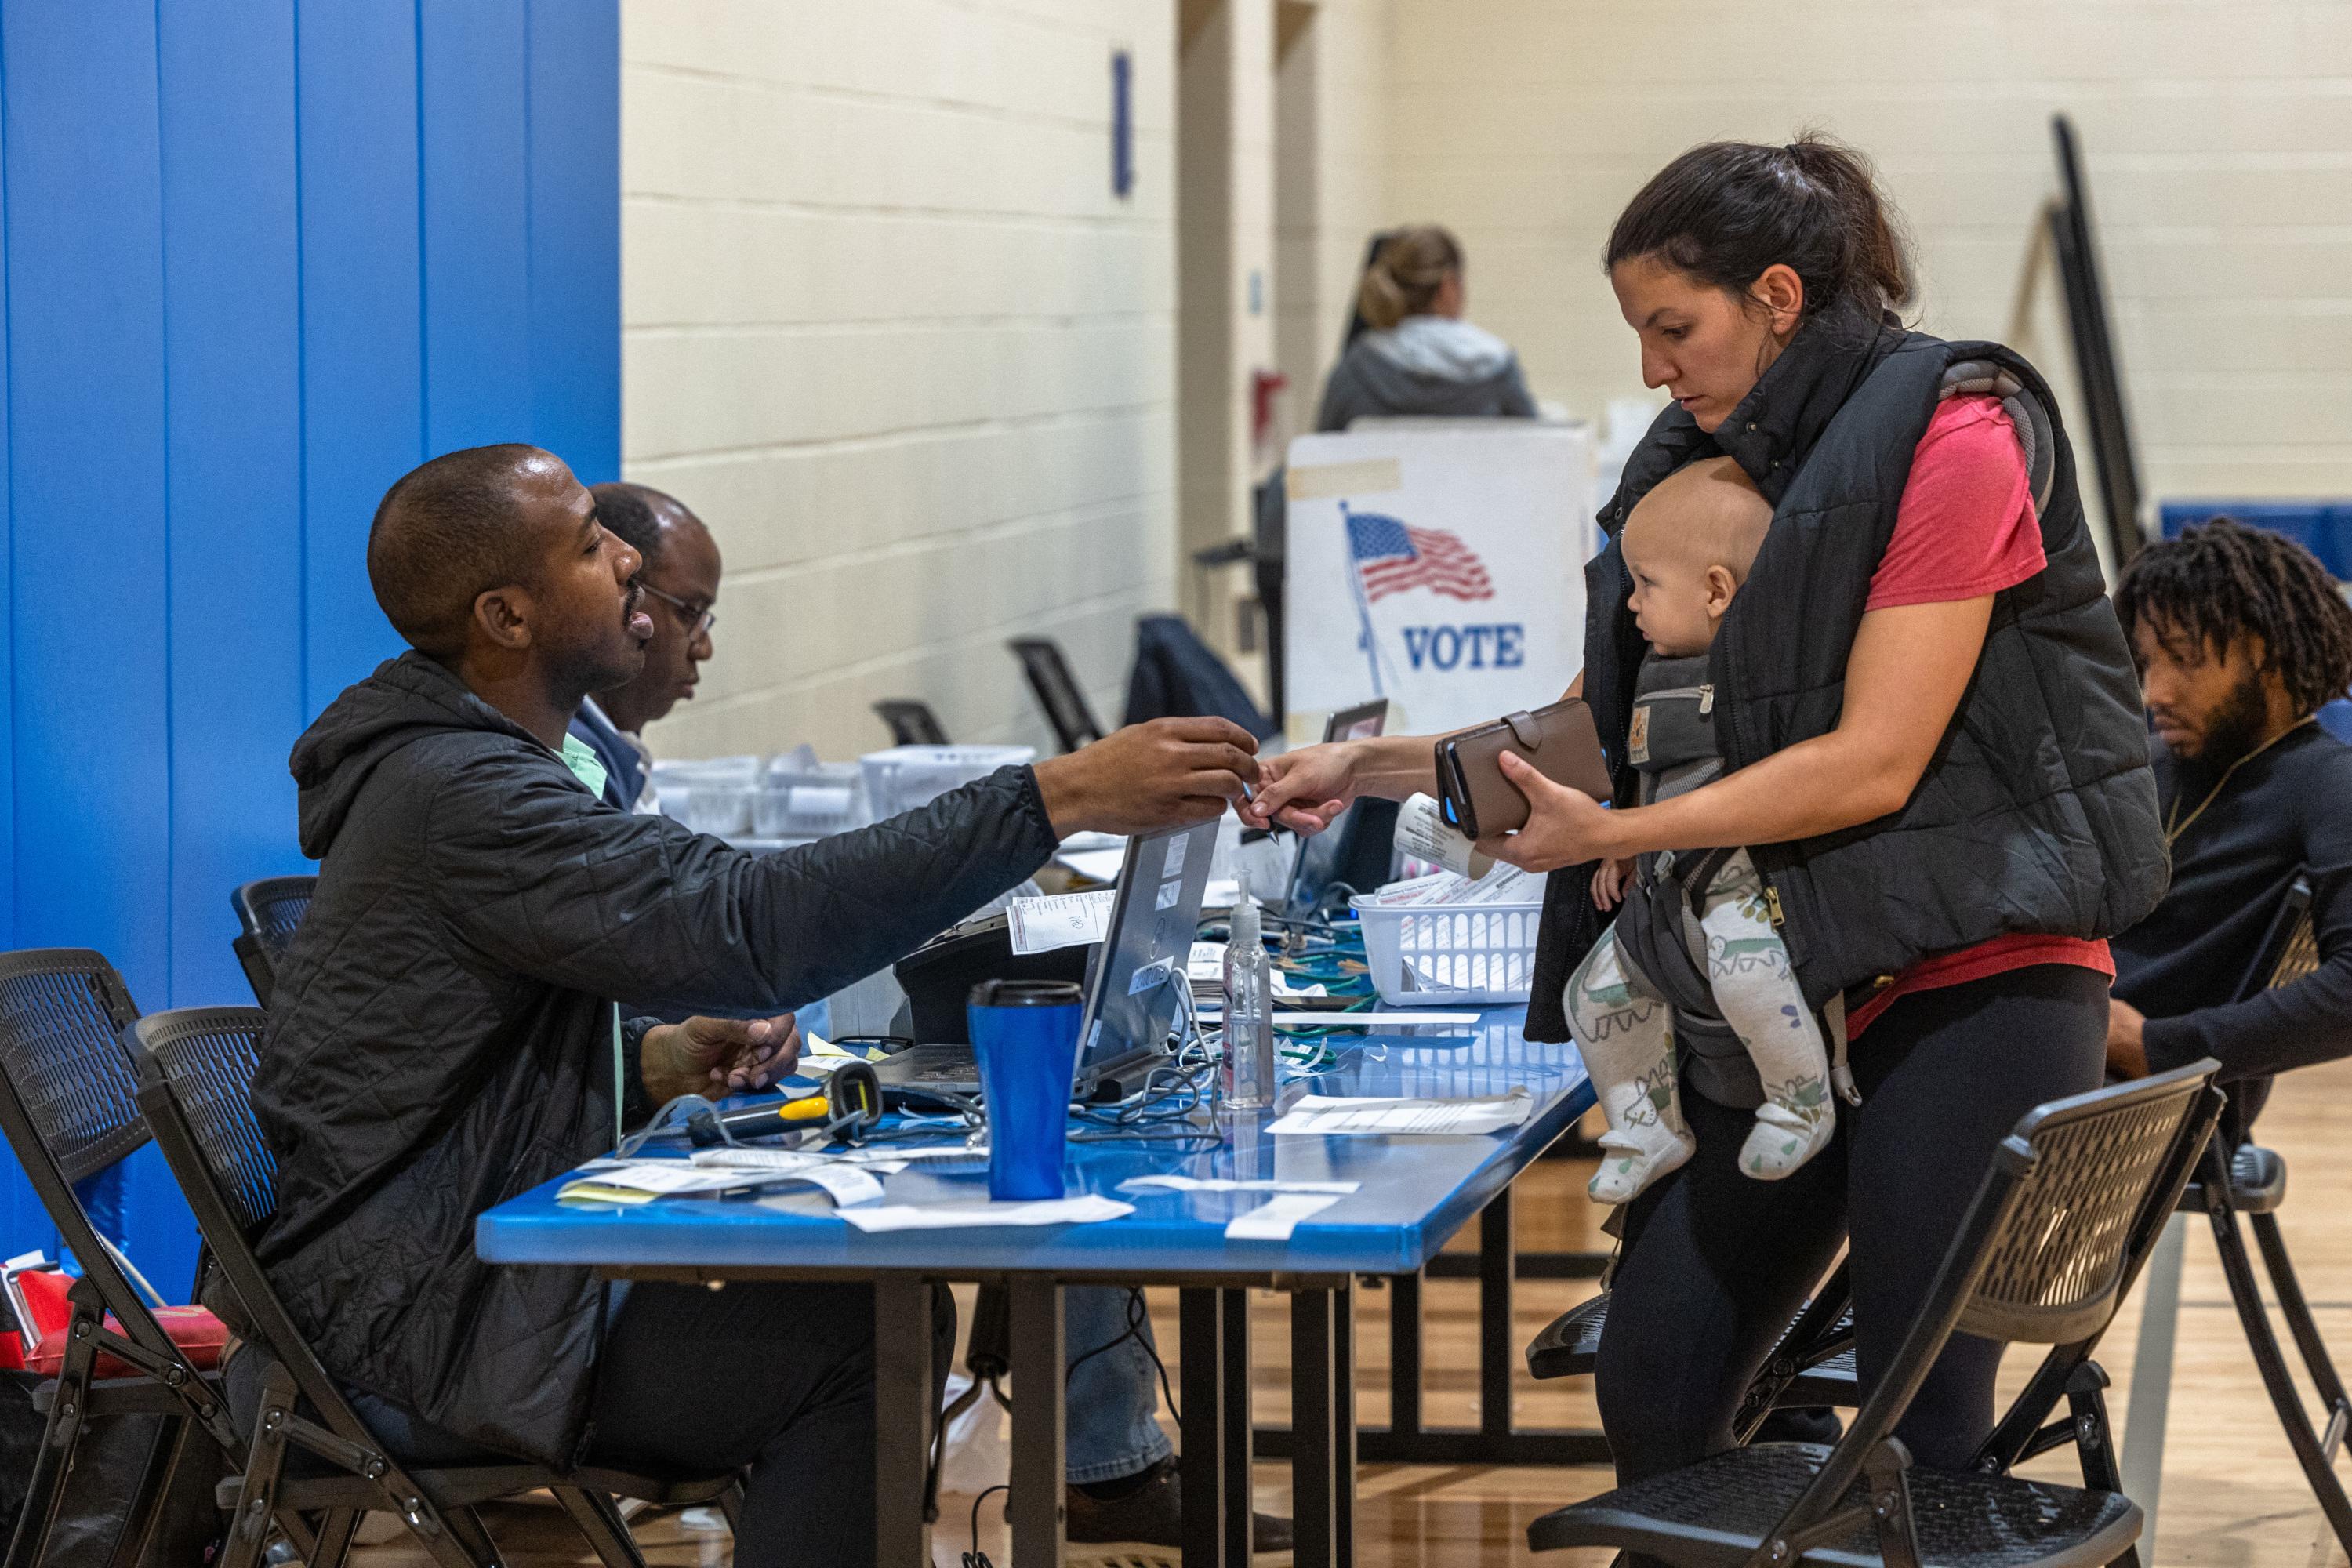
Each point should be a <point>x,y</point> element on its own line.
<point>647,519</point>
<point>449,531</point>
<point>1688,546</point>
<point>1709,513</point>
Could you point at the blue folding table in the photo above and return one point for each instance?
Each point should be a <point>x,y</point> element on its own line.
<point>1415,1192</point>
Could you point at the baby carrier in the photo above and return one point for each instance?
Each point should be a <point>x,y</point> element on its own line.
<point>1671,743</point>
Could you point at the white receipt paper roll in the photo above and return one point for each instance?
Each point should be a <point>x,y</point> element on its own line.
<point>1422,833</point>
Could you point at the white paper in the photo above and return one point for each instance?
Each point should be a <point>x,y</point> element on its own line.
<point>643,1181</point>
<point>1095,864</point>
<point>1041,925</point>
<point>1205,966</point>
<point>1330,1115</point>
<point>1371,1018</point>
<point>1423,832</point>
<point>1233,1184</point>
<point>848,1184</point>
<point>1089,1210</point>
<point>1274,1219</point>
<point>818,800</point>
<point>632,1181</point>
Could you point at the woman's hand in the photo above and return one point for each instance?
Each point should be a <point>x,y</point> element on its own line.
<point>1565,827</point>
<point>1302,790</point>
<point>1609,881</point>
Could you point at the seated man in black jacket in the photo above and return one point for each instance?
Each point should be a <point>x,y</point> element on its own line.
<point>442,1036</point>
<point>2241,636</point>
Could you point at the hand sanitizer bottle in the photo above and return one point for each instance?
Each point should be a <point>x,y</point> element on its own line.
<point>1249,1074</point>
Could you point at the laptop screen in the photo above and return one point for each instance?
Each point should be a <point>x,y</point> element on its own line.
<point>1138,972</point>
<point>1319,855</point>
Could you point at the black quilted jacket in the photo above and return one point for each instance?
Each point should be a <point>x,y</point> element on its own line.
<point>442,1037</point>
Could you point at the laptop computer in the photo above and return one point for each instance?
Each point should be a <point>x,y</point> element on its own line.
<point>1131,990</point>
<point>1322,856</point>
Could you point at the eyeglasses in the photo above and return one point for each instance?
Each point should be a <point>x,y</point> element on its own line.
<point>697,621</point>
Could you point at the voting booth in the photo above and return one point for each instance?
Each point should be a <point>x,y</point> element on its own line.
<point>1439,564</point>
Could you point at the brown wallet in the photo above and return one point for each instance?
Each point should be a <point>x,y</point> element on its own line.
<point>1561,741</point>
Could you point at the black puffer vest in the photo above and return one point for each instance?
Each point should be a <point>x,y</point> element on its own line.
<point>2038,811</point>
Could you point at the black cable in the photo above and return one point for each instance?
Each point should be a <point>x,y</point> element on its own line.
<point>1138,1314</point>
<point>976,1558</point>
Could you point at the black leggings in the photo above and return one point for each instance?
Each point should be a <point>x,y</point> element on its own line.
<point>1715,1263</point>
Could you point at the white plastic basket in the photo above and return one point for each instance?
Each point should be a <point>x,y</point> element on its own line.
<point>1434,956</point>
<point>810,801</point>
<point>904,777</point>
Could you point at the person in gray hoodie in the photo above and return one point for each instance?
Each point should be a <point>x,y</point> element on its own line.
<point>1419,356</point>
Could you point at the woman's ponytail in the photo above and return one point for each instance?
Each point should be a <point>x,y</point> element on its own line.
<point>1404,276</point>
<point>1724,211</point>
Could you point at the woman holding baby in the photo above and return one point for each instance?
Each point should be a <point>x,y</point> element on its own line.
<point>1926,787</point>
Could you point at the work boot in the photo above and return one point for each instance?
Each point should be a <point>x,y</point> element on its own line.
<point>1147,1511</point>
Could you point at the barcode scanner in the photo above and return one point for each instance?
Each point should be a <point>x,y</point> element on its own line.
<point>849,1108</point>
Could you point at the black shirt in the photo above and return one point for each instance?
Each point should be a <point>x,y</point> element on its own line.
<point>2285,812</point>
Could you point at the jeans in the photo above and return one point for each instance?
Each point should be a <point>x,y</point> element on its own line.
<point>1113,1397</point>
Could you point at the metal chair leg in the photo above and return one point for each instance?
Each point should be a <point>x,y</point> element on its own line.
<point>149,1498</point>
<point>45,1488</point>
<point>599,1521</point>
<point>2297,1312</point>
<point>463,1541</point>
<point>2151,1376</point>
<point>337,1530</point>
<point>2268,1360</point>
<point>730,1506</point>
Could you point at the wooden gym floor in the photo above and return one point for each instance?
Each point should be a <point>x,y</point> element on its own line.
<point>2232,1496</point>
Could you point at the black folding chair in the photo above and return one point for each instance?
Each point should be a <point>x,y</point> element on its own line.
<point>2044,1255</point>
<point>911,723</point>
<point>1057,691</point>
<point>268,911</point>
<point>67,1105</point>
<point>2237,1177</point>
<point>310,1451</point>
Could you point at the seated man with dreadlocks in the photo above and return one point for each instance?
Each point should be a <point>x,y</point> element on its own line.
<point>2241,636</point>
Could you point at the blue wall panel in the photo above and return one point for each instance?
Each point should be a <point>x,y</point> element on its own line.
<point>576,234</point>
<point>362,306</point>
<point>474,80</point>
<point>232,312</point>
<point>87,483</point>
<point>262,258</point>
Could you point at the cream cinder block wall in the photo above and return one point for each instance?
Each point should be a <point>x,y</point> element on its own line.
<point>2216,134</point>
<point>888,331</point>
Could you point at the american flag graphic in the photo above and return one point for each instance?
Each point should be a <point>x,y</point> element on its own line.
<point>1393,557</point>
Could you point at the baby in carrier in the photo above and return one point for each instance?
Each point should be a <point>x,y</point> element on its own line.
<point>1695,943</point>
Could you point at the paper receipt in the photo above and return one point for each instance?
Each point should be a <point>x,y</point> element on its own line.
<point>1041,925</point>
<point>1424,834</point>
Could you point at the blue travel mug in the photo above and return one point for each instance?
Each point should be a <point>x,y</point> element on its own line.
<point>1026,1033</point>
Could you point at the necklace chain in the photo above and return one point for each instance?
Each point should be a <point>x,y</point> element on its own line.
<point>2174,828</point>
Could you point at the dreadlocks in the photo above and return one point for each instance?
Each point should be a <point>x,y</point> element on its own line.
<point>2223,581</point>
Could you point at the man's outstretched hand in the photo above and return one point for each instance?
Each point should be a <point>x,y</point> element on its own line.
<point>716,1057</point>
<point>1169,773</point>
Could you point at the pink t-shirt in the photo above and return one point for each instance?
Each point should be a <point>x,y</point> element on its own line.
<point>1965,528</point>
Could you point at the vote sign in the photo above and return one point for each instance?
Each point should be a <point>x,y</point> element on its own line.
<point>1440,565</point>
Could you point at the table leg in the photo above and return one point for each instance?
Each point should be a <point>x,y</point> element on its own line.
<point>1040,1469</point>
<point>902,1416</point>
<point>1496,1351</point>
<point>1405,1353</point>
<point>1343,1421</point>
<point>1322,1426</point>
<point>1215,1470</point>
<point>1241,1428</point>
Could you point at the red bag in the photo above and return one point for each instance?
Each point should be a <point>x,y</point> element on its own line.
<point>200,1336</point>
